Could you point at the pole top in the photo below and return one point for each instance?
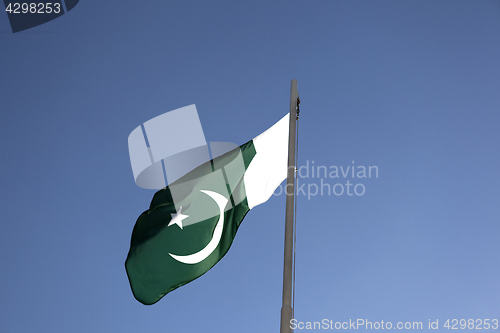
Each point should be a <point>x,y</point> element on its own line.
<point>294,90</point>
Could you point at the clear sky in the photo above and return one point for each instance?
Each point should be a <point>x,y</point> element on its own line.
<point>411,87</point>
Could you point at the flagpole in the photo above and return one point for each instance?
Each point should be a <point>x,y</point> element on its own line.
<point>286,308</point>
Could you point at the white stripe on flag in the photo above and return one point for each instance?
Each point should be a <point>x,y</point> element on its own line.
<point>269,166</point>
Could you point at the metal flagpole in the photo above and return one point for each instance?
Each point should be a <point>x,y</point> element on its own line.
<point>286,308</point>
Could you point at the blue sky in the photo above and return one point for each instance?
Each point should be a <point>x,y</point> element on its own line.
<point>411,87</point>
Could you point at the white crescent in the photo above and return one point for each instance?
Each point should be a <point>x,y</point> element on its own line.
<point>203,254</point>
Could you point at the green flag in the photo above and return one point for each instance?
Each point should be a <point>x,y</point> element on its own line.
<point>191,223</point>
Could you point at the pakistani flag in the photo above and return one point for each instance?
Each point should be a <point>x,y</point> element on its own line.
<point>191,223</point>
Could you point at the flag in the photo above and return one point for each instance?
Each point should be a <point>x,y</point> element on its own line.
<point>190,224</point>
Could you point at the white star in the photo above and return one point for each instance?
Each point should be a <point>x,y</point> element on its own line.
<point>177,218</point>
